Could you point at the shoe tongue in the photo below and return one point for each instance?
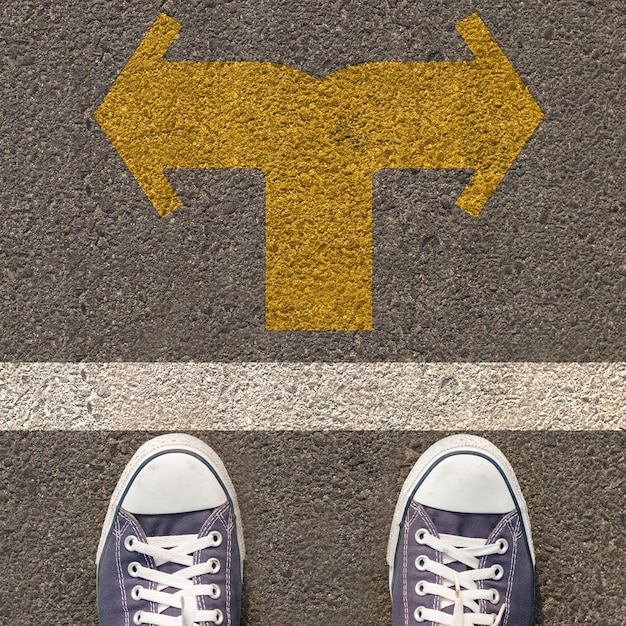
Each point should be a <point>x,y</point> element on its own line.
<point>169,525</point>
<point>478,525</point>
<point>173,523</point>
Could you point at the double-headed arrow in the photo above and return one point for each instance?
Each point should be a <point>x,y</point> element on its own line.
<point>318,143</point>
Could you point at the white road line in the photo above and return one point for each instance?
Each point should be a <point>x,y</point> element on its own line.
<point>317,396</point>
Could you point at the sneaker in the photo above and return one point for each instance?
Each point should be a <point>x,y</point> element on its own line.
<point>171,551</point>
<point>460,551</point>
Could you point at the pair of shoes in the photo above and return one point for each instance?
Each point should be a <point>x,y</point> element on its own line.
<point>460,551</point>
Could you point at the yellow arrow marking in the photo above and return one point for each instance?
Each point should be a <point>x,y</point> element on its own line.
<point>318,143</point>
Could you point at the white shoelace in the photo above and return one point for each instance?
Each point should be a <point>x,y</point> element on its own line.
<point>459,589</point>
<point>176,549</point>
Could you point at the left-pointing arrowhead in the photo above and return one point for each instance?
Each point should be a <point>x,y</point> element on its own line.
<point>126,114</point>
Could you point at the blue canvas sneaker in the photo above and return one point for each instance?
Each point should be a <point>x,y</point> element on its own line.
<point>460,551</point>
<point>171,551</point>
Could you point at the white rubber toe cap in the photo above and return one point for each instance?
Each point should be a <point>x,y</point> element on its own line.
<point>465,483</point>
<point>173,482</point>
<point>173,473</point>
<point>462,474</point>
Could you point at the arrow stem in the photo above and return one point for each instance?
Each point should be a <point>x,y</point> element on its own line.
<point>318,251</point>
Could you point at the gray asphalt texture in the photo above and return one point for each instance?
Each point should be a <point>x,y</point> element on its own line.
<point>316,511</point>
<point>90,272</point>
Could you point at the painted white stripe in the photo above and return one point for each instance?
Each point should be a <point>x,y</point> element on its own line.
<point>317,396</point>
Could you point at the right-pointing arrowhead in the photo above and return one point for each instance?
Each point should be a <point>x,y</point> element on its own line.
<point>512,115</point>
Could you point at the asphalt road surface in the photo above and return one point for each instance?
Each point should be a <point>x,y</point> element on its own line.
<point>90,273</point>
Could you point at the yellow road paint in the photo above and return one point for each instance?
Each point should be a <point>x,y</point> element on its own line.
<point>318,144</point>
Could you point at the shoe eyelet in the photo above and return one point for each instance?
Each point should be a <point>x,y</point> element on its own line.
<point>133,569</point>
<point>498,572</point>
<point>420,588</point>
<point>135,592</point>
<point>420,536</point>
<point>214,592</point>
<point>503,545</point>
<point>495,596</point>
<point>219,617</point>
<point>129,542</point>
<point>216,538</point>
<point>137,618</point>
<point>215,565</point>
<point>420,562</point>
<point>418,614</point>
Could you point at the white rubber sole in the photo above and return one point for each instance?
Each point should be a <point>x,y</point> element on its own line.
<point>444,447</point>
<point>169,443</point>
